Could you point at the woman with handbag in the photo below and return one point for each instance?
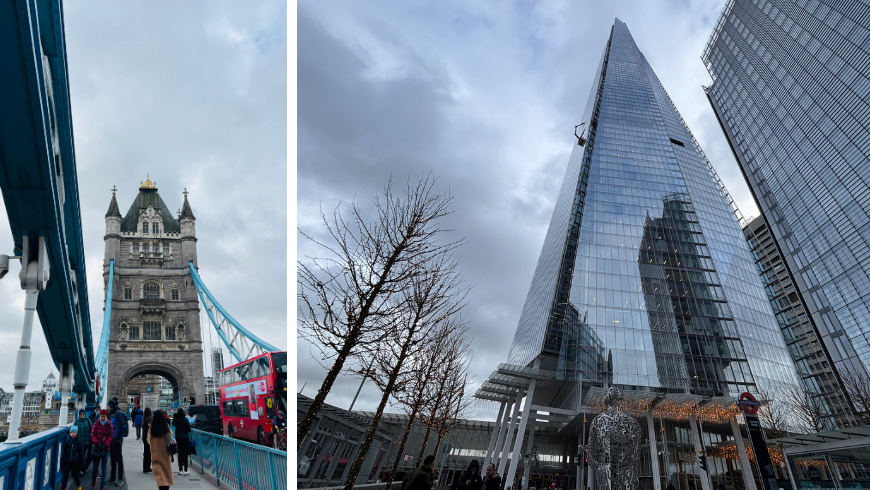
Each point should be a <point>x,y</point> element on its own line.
<point>146,456</point>
<point>101,437</point>
<point>182,435</point>
<point>159,437</point>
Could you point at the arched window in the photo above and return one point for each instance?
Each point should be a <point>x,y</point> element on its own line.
<point>151,290</point>
<point>151,330</point>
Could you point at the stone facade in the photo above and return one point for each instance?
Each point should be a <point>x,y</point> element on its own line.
<point>155,326</point>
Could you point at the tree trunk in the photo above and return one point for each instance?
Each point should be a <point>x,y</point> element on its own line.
<point>425,441</point>
<point>438,443</point>
<point>367,442</point>
<point>400,451</point>
<point>305,424</point>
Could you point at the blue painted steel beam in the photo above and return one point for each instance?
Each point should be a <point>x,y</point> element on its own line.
<point>203,291</point>
<point>38,172</point>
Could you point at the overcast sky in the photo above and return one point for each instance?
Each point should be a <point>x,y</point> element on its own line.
<point>196,94</point>
<point>486,94</point>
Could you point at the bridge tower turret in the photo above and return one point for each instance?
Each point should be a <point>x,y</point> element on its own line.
<point>155,327</point>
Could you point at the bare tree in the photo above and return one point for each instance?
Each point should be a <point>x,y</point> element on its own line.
<point>456,409</point>
<point>449,380</point>
<point>411,398</point>
<point>774,415</point>
<point>857,385</point>
<point>432,301</point>
<point>346,297</point>
<point>808,410</point>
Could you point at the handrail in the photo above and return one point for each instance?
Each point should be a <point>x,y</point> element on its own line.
<point>101,361</point>
<point>239,465</point>
<point>33,458</point>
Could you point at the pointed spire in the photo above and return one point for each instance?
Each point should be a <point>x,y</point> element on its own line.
<point>186,213</point>
<point>114,212</point>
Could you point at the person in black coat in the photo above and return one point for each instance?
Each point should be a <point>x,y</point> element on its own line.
<point>182,437</point>
<point>146,426</point>
<point>492,481</point>
<point>470,480</point>
<point>421,478</point>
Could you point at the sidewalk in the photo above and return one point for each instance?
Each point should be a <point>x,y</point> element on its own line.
<point>136,480</point>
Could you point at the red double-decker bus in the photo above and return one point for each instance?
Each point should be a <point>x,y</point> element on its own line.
<point>251,393</point>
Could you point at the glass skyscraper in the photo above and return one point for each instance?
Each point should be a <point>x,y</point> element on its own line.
<point>791,89</point>
<point>645,280</point>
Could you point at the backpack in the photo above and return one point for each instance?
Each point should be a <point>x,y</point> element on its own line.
<point>125,429</point>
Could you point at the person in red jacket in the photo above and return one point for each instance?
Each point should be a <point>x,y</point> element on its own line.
<point>101,437</point>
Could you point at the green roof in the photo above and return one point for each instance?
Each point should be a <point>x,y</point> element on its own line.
<point>145,198</point>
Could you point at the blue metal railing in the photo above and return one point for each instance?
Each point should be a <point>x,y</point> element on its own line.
<point>240,465</point>
<point>33,459</point>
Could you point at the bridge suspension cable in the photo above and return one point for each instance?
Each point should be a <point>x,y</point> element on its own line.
<point>101,361</point>
<point>241,342</point>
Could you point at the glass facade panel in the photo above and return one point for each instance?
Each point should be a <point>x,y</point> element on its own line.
<point>645,280</point>
<point>792,92</point>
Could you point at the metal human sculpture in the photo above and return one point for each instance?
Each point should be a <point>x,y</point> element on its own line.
<point>614,445</point>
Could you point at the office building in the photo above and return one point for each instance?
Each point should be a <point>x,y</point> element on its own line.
<point>791,90</point>
<point>644,282</point>
<point>818,381</point>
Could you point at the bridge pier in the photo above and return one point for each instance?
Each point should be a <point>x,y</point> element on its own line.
<point>34,277</point>
<point>65,385</point>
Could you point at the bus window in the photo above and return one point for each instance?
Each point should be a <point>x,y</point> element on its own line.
<point>263,366</point>
<point>242,408</point>
<point>229,409</point>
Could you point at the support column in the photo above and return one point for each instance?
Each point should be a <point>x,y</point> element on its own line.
<point>518,445</point>
<point>653,451</point>
<point>835,473</point>
<point>699,446</point>
<point>495,430</point>
<point>502,430</point>
<point>34,277</point>
<point>65,384</point>
<point>745,468</point>
<point>580,458</point>
<point>529,446</point>
<point>505,450</point>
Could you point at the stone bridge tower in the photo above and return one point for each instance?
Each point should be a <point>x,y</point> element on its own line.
<point>155,326</point>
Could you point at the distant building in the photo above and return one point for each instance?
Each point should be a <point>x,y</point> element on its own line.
<point>217,361</point>
<point>211,390</point>
<point>34,404</point>
<point>49,384</point>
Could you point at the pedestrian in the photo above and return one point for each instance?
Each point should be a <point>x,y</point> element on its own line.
<point>101,440</point>
<point>84,425</point>
<point>72,458</point>
<point>492,481</point>
<point>146,455</point>
<point>671,486</point>
<point>119,431</point>
<point>137,421</point>
<point>470,480</point>
<point>421,478</point>
<point>182,437</point>
<point>279,424</point>
<point>157,436</point>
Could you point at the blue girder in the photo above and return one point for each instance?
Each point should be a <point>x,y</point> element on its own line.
<point>216,313</point>
<point>38,172</point>
<point>102,359</point>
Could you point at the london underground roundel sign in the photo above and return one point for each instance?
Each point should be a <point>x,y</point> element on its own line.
<point>748,403</point>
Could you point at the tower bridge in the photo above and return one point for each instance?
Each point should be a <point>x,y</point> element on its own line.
<point>152,290</point>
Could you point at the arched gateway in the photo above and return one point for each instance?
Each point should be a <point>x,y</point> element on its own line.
<point>155,308</point>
